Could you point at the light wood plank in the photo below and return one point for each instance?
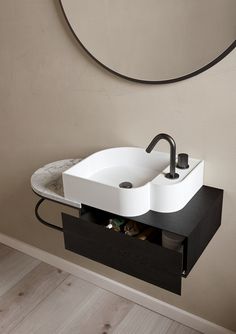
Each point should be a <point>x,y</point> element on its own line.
<point>36,298</point>
<point>140,320</point>
<point>17,302</point>
<point>13,268</point>
<point>51,313</point>
<point>177,328</point>
<point>100,313</point>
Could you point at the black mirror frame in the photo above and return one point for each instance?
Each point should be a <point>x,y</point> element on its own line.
<point>184,77</point>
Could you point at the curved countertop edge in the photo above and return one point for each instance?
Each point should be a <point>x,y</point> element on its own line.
<point>47,181</point>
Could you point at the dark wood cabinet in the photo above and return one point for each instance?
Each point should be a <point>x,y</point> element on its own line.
<point>197,222</point>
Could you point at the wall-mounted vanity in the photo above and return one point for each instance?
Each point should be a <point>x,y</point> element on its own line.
<point>174,217</point>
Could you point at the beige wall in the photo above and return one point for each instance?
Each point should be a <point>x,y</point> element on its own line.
<point>56,103</point>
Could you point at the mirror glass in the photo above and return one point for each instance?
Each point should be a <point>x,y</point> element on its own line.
<point>154,41</point>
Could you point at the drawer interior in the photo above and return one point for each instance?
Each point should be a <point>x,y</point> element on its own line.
<point>147,233</point>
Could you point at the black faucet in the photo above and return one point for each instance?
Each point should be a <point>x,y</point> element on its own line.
<point>171,174</point>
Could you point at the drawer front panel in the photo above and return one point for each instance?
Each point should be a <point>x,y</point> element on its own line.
<point>142,259</point>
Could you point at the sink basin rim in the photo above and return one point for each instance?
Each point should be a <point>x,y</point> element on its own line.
<point>153,164</point>
<point>158,193</point>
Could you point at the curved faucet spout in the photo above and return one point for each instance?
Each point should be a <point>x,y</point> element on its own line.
<point>171,174</point>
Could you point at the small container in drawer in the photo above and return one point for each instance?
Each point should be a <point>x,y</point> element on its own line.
<point>145,260</point>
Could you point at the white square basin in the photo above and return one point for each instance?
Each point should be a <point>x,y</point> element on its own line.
<point>96,180</point>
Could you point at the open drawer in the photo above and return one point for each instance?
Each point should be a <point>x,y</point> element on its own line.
<point>144,259</point>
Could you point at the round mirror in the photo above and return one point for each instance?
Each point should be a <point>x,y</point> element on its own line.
<point>154,41</point>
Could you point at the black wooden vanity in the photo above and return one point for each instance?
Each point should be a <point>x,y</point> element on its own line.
<point>149,261</point>
<point>87,235</point>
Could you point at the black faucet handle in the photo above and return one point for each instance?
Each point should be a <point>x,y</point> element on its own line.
<point>182,162</point>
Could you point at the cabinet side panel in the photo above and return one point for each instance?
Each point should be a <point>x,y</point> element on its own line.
<point>203,233</point>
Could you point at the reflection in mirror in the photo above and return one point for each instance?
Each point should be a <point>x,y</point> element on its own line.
<point>154,40</point>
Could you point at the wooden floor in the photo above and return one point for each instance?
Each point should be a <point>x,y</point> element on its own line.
<point>38,298</point>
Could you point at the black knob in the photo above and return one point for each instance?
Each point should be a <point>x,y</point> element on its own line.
<point>182,161</point>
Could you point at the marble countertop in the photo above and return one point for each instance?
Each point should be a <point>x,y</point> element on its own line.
<point>47,181</point>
